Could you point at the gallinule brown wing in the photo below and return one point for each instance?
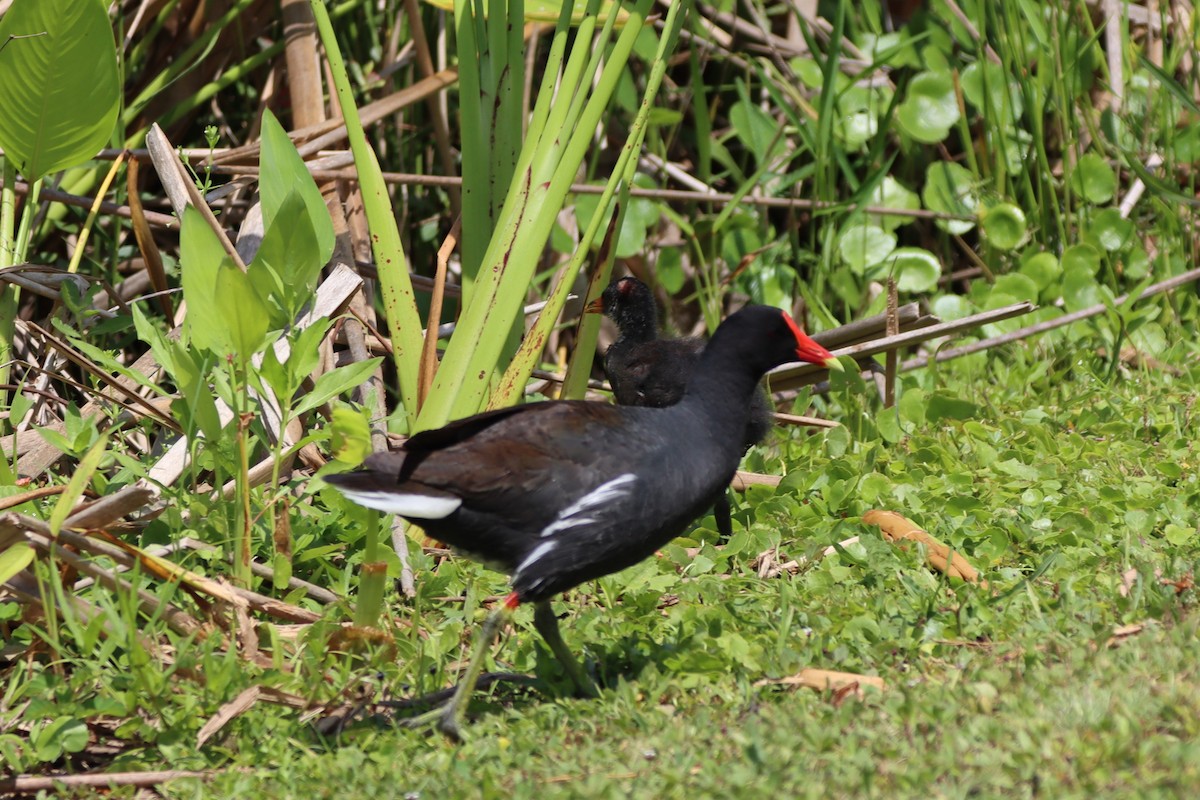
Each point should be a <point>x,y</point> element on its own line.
<point>558,493</point>
<point>644,370</point>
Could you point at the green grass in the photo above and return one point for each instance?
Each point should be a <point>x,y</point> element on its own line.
<point>1010,693</point>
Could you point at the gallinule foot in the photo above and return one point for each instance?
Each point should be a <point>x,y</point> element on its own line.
<point>561,492</point>
<point>645,370</point>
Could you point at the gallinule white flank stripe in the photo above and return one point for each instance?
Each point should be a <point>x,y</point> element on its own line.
<point>558,493</point>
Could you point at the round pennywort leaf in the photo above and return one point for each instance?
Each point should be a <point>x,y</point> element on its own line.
<point>1094,179</point>
<point>1004,226</point>
<point>861,245</point>
<point>950,189</point>
<point>916,270</point>
<point>929,108</point>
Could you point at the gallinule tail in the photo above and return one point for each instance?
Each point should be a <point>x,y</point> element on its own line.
<point>558,493</point>
<point>644,370</point>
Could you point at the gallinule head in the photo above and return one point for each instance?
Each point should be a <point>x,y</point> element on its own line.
<point>561,492</point>
<point>644,370</point>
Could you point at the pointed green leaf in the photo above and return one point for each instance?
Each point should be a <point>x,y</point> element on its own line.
<point>79,481</point>
<point>201,258</point>
<point>243,313</point>
<point>283,172</point>
<point>333,383</point>
<point>197,405</point>
<point>285,269</point>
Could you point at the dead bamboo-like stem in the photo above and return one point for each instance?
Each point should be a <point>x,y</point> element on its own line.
<point>799,419</point>
<point>29,784</point>
<point>429,361</point>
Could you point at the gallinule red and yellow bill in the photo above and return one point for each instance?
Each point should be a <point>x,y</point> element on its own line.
<point>644,370</point>
<point>558,493</point>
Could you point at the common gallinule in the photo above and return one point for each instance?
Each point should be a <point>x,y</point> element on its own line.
<point>558,493</point>
<point>644,370</point>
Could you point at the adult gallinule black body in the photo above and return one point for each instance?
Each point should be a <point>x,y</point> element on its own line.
<point>644,370</point>
<point>558,493</point>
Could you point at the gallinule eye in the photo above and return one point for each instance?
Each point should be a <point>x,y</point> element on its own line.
<point>644,370</point>
<point>558,493</point>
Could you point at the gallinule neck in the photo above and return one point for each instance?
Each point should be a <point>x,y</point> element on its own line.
<point>644,370</point>
<point>558,493</point>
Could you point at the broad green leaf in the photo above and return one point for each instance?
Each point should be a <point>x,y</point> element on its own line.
<point>60,735</point>
<point>771,282</point>
<point>333,383</point>
<point>350,439</point>
<point>942,406</point>
<point>1177,534</point>
<point>670,269</point>
<point>857,128</point>
<point>950,189</point>
<point>916,269</point>
<point>1094,179</point>
<point>755,127</point>
<point>1150,339</point>
<point>861,246</point>
<point>242,311</point>
<point>283,173</point>
<point>14,559</point>
<point>1016,469</point>
<point>201,257</point>
<point>631,238</point>
<point>1004,226</point>
<point>858,115</point>
<point>59,85</point>
<point>306,349</point>
<point>197,405</point>
<point>930,108</point>
<point>285,269</point>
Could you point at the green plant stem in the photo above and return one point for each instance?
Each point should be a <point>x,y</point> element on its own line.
<point>242,538</point>
<point>373,579</point>
<point>9,293</point>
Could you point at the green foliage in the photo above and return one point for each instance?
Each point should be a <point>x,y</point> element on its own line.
<point>1064,472</point>
<point>1071,495</point>
<point>59,85</point>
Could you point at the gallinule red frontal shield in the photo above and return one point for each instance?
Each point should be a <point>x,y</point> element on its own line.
<point>558,493</point>
<point>644,370</point>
